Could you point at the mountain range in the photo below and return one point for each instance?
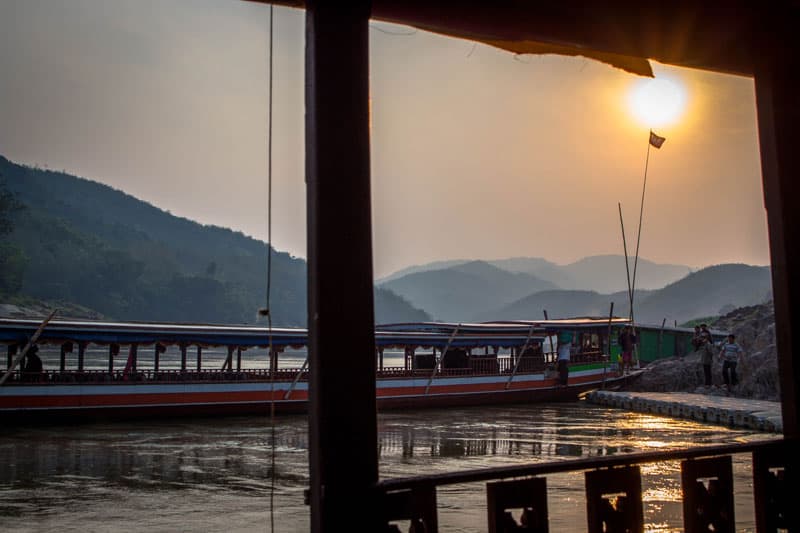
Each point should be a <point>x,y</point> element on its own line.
<point>601,273</point>
<point>480,291</point>
<point>93,247</point>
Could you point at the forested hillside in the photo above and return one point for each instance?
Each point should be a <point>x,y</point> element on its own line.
<point>82,242</point>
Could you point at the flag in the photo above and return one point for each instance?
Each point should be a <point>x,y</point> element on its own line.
<point>655,140</point>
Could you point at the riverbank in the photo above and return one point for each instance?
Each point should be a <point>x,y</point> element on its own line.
<point>754,328</point>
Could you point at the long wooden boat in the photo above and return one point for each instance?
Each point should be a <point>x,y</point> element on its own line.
<point>418,365</point>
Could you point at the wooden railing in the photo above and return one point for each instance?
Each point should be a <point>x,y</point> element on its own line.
<point>613,491</point>
<point>482,366</point>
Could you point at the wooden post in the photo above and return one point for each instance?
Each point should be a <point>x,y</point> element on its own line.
<point>342,411</point>
<point>62,360</point>
<point>661,337</point>
<point>199,357</point>
<point>156,357</point>
<point>778,106</point>
<point>228,364</point>
<point>183,357</point>
<point>238,358</point>
<point>273,361</point>
<point>12,351</point>
<point>81,355</point>
<point>113,349</point>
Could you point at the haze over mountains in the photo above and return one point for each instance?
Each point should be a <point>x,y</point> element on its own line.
<point>488,292</point>
<point>87,244</point>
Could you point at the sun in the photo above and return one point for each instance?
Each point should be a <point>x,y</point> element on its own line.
<point>656,102</point>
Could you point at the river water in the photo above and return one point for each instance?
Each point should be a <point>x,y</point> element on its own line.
<point>215,475</point>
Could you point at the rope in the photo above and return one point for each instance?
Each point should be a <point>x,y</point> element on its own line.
<point>266,311</point>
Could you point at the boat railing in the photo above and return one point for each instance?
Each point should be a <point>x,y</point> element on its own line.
<point>517,499</point>
<point>150,375</point>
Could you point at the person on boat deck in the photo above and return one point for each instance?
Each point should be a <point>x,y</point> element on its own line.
<point>705,345</point>
<point>627,341</point>
<point>564,351</point>
<point>33,363</point>
<point>730,353</point>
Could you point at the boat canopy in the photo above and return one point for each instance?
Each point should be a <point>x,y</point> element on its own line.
<point>422,335</point>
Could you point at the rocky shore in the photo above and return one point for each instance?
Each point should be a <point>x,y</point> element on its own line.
<point>754,328</point>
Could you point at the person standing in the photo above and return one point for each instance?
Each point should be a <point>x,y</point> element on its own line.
<point>705,346</point>
<point>564,352</point>
<point>697,340</point>
<point>627,342</point>
<point>730,354</point>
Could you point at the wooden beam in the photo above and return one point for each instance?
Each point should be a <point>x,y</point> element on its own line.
<point>778,106</point>
<point>342,417</point>
<point>708,35</point>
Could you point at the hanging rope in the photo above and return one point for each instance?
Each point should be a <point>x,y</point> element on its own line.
<point>266,311</point>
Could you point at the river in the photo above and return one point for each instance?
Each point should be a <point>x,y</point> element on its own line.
<point>214,475</point>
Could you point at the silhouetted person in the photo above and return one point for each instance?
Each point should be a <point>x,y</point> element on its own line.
<point>33,364</point>
<point>705,346</point>
<point>627,342</point>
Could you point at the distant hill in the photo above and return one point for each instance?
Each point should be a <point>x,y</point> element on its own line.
<point>600,273</point>
<point>606,273</point>
<point>563,304</point>
<point>541,268</point>
<point>102,249</point>
<point>709,292</point>
<point>435,265</point>
<point>462,291</point>
<point>712,291</point>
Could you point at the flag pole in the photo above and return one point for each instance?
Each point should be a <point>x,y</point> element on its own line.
<point>641,212</point>
<point>627,266</point>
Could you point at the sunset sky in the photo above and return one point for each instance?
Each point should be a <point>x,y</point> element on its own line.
<point>476,153</point>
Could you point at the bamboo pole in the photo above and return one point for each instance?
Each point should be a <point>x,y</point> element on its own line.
<point>27,347</point>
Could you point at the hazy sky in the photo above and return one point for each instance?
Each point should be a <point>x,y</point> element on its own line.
<point>476,153</point>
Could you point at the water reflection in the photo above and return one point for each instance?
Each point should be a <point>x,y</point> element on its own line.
<point>216,474</point>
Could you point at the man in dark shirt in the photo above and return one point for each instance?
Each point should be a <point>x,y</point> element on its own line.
<point>33,364</point>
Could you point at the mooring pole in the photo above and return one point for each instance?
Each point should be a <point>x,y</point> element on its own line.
<point>343,451</point>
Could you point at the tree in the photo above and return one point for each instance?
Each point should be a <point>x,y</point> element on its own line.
<point>12,258</point>
<point>8,206</point>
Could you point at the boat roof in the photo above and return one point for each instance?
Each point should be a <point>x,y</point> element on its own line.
<point>100,332</point>
<point>18,331</point>
<point>569,323</point>
<point>503,334</point>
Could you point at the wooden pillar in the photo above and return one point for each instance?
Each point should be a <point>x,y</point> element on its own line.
<point>183,357</point>
<point>380,359</point>
<point>12,351</point>
<point>81,355</point>
<point>133,354</point>
<point>778,106</point>
<point>113,349</point>
<point>273,361</point>
<point>238,358</point>
<point>342,418</point>
<point>62,359</point>
<point>157,351</point>
<point>228,364</point>
<point>199,357</point>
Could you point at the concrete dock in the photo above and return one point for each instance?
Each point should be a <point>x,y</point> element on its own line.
<point>724,410</point>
